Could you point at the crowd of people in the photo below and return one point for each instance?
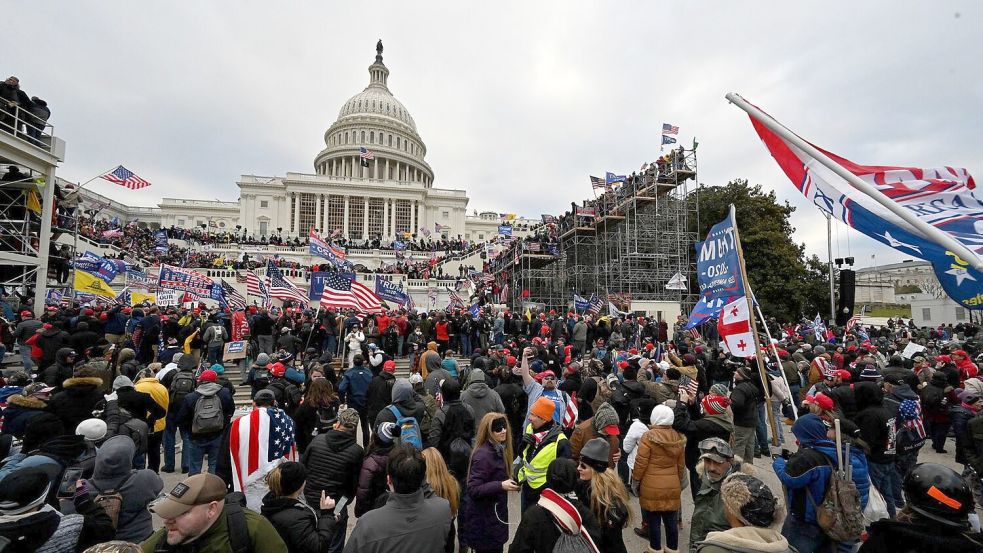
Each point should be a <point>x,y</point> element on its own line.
<point>20,114</point>
<point>572,413</point>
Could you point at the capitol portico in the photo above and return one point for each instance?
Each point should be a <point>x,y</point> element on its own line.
<point>384,192</point>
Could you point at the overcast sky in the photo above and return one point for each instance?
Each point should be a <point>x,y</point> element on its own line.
<point>518,102</point>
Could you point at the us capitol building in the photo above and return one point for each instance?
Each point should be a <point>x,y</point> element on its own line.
<point>392,196</point>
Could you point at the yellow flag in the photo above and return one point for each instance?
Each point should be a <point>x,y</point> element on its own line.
<point>137,298</point>
<point>89,284</point>
<point>33,203</point>
<point>528,314</point>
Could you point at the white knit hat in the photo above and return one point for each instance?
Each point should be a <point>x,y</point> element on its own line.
<point>92,430</point>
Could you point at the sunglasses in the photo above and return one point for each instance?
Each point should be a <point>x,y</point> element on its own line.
<point>549,378</point>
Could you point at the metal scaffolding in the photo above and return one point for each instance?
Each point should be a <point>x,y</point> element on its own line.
<point>29,154</point>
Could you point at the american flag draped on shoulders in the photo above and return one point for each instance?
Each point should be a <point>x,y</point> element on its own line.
<point>258,442</point>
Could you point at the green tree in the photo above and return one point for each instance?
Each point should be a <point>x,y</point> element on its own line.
<point>786,285</point>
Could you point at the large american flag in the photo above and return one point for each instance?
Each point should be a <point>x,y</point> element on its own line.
<point>365,154</point>
<point>594,305</point>
<point>283,289</point>
<point>669,129</point>
<point>258,442</point>
<point>124,177</point>
<point>256,287</point>
<point>341,293</point>
<point>233,298</point>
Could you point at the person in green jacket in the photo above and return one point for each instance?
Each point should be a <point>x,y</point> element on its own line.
<point>196,511</point>
<point>752,511</point>
<point>717,462</point>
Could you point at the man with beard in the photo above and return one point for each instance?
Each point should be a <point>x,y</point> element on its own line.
<point>717,462</point>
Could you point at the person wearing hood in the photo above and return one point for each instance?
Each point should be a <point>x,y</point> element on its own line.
<point>876,425</point>
<point>303,528</point>
<point>604,425</point>
<point>752,511</point>
<point>712,419</point>
<point>480,397</point>
<point>41,429</point>
<point>148,384</point>
<point>806,473</point>
<point>21,408</point>
<point>745,398</point>
<point>140,405</point>
<point>433,372</point>
<point>61,370</point>
<point>332,461</point>
<point>379,393</point>
<point>259,374</point>
<point>77,399</point>
<point>660,467</point>
<point>204,442</point>
<point>83,338</point>
<point>127,363</point>
<point>171,348</point>
<point>936,517</point>
<point>372,475</point>
<point>552,514</point>
<point>29,525</point>
<point>288,395</point>
<point>409,404</point>
<point>937,399</point>
<point>51,340</point>
<point>114,471</point>
<point>453,427</point>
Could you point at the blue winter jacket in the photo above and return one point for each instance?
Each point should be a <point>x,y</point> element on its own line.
<point>811,466</point>
<point>354,385</point>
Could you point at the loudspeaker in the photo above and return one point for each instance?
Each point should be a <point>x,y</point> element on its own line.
<point>844,307</point>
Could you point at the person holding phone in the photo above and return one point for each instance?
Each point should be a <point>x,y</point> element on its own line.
<point>304,528</point>
<point>484,518</point>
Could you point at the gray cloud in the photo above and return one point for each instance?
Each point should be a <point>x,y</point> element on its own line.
<point>510,97</point>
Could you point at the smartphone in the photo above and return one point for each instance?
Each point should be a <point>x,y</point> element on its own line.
<point>68,482</point>
<point>339,506</point>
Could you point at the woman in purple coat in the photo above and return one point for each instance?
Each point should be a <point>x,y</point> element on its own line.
<point>484,515</point>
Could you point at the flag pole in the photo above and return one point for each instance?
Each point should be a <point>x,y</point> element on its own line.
<point>795,414</point>
<point>748,295</point>
<point>928,231</point>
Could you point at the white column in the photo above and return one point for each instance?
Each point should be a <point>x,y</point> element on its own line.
<point>365,219</point>
<point>296,214</point>
<point>386,177</point>
<point>386,228</point>
<point>344,221</point>
<point>413,224</point>
<point>392,217</point>
<point>375,169</point>
<point>399,175</point>
<point>318,198</point>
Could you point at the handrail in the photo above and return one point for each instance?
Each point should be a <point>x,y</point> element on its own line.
<point>22,124</point>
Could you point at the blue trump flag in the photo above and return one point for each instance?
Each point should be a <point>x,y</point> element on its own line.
<point>580,303</point>
<point>389,290</point>
<point>611,178</point>
<point>160,241</point>
<point>718,271</point>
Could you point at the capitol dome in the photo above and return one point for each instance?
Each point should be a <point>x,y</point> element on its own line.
<point>375,120</point>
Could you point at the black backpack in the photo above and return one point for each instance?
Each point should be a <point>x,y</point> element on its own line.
<point>182,384</point>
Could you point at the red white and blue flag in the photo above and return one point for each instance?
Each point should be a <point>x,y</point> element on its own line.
<point>283,289</point>
<point>734,327</point>
<point>669,129</point>
<point>124,177</point>
<point>258,442</point>
<point>342,292</point>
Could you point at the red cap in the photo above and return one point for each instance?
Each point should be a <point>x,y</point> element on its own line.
<point>633,351</point>
<point>960,352</point>
<point>544,374</point>
<point>208,376</point>
<point>196,311</point>
<point>25,313</point>
<point>844,374</point>
<point>389,366</point>
<point>506,351</point>
<point>88,312</point>
<point>783,354</point>
<point>852,347</point>
<point>51,308</point>
<point>822,400</point>
<point>47,326</point>
<point>278,369</point>
<point>537,340</point>
<point>127,310</point>
<point>612,430</point>
<point>650,346</point>
<point>622,365</point>
<point>103,316</point>
<point>943,358</point>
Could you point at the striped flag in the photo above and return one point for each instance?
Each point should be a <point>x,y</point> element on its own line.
<point>669,129</point>
<point>341,292</point>
<point>365,155</point>
<point>124,177</point>
<point>598,183</point>
<point>241,279</point>
<point>690,385</point>
<point>257,287</point>
<point>283,289</point>
<point>456,300</point>
<point>852,322</point>
<point>258,442</point>
<point>233,298</point>
<point>594,305</point>
<point>570,412</point>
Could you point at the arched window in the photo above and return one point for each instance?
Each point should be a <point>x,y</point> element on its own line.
<point>390,141</point>
<point>346,138</point>
<point>397,142</point>
<point>363,136</point>
<point>372,137</point>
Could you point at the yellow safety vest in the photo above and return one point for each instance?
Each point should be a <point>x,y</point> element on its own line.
<point>533,471</point>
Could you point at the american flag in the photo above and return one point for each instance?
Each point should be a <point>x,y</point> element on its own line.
<point>690,385</point>
<point>488,278</point>
<point>232,296</point>
<point>598,183</point>
<point>910,411</point>
<point>341,293</point>
<point>242,279</point>
<point>456,300</point>
<point>365,154</point>
<point>852,322</point>
<point>283,289</point>
<point>669,129</point>
<point>533,247</point>
<point>123,298</point>
<point>503,296</point>
<point>570,412</point>
<point>124,177</point>
<point>258,442</point>
<point>256,287</point>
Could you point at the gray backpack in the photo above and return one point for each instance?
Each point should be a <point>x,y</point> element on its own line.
<point>208,417</point>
